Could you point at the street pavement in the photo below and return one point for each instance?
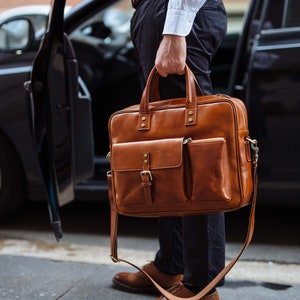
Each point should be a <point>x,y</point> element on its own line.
<point>34,266</point>
<point>36,278</point>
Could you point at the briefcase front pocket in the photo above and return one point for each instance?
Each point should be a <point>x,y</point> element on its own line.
<point>209,172</point>
<point>148,175</point>
<point>176,176</point>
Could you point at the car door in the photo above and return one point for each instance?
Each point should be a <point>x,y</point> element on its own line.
<point>61,117</point>
<point>270,63</point>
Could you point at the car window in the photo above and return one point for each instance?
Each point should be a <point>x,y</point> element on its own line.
<point>291,14</point>
<point>273,14</point>
<point>14,34</point>
<point>281,14</point>
<point>39,21</point>
<point>113,20</point>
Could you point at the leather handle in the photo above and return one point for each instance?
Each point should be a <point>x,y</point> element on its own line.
<point>152,88</point>
<point>155,93</point>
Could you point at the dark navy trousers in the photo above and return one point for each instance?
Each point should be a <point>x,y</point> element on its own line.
<point>193,246</point>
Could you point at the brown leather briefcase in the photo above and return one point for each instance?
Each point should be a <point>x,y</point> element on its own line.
<point>180,157</point>
<point>184,156</point>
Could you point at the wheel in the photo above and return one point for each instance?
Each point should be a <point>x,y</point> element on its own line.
<point>12,180</point>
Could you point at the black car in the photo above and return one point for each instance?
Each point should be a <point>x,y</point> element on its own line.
<point>260,66</point>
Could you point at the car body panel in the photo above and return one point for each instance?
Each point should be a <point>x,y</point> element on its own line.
<point>16,123</point>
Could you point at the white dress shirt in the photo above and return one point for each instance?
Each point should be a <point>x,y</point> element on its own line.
<point>180,16</point>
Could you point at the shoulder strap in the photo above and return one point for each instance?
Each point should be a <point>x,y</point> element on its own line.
<point>228,267</point>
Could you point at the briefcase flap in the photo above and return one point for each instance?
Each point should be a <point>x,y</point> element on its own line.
<point>133,156</point>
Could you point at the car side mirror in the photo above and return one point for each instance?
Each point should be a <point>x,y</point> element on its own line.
<point>16,34</point>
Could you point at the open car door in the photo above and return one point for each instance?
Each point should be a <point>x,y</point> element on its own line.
<point>61,117</point>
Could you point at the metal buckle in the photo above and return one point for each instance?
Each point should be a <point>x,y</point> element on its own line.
<point>146,172</point>
<point>108,155</point>
<point>254,147</point>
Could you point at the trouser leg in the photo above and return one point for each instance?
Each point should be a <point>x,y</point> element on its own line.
<point>193,246</point>
<point>203,248</point>
<point>169,258</point>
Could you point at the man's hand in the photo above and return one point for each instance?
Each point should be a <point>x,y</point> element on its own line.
<point>171,55</point>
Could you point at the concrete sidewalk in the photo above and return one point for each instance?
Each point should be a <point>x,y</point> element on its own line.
<point>29,278</point>
<point>33,266</point>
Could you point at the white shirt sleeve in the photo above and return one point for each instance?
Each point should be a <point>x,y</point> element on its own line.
<point>180,16</point>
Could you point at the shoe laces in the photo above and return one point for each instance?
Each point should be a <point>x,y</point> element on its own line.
<point>175,288</point>
<point>179,290</point>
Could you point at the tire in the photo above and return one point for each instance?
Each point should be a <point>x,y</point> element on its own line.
<point>12,180</point>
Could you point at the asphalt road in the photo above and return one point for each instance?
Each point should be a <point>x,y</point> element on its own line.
<point>34,266</point>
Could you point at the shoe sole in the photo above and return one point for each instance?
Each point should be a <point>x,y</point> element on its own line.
<point>126,288</point>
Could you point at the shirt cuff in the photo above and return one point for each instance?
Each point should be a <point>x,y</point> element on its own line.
<point>179,22</point>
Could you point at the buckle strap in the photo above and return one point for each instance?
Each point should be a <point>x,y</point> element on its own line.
<point>146,177</point>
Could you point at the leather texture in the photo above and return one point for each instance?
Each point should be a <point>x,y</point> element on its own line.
<point>137,282</point>
<point>184,156</point>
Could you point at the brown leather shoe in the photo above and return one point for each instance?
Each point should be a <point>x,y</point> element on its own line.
<point>179,290</point>
<point>139,283</point>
